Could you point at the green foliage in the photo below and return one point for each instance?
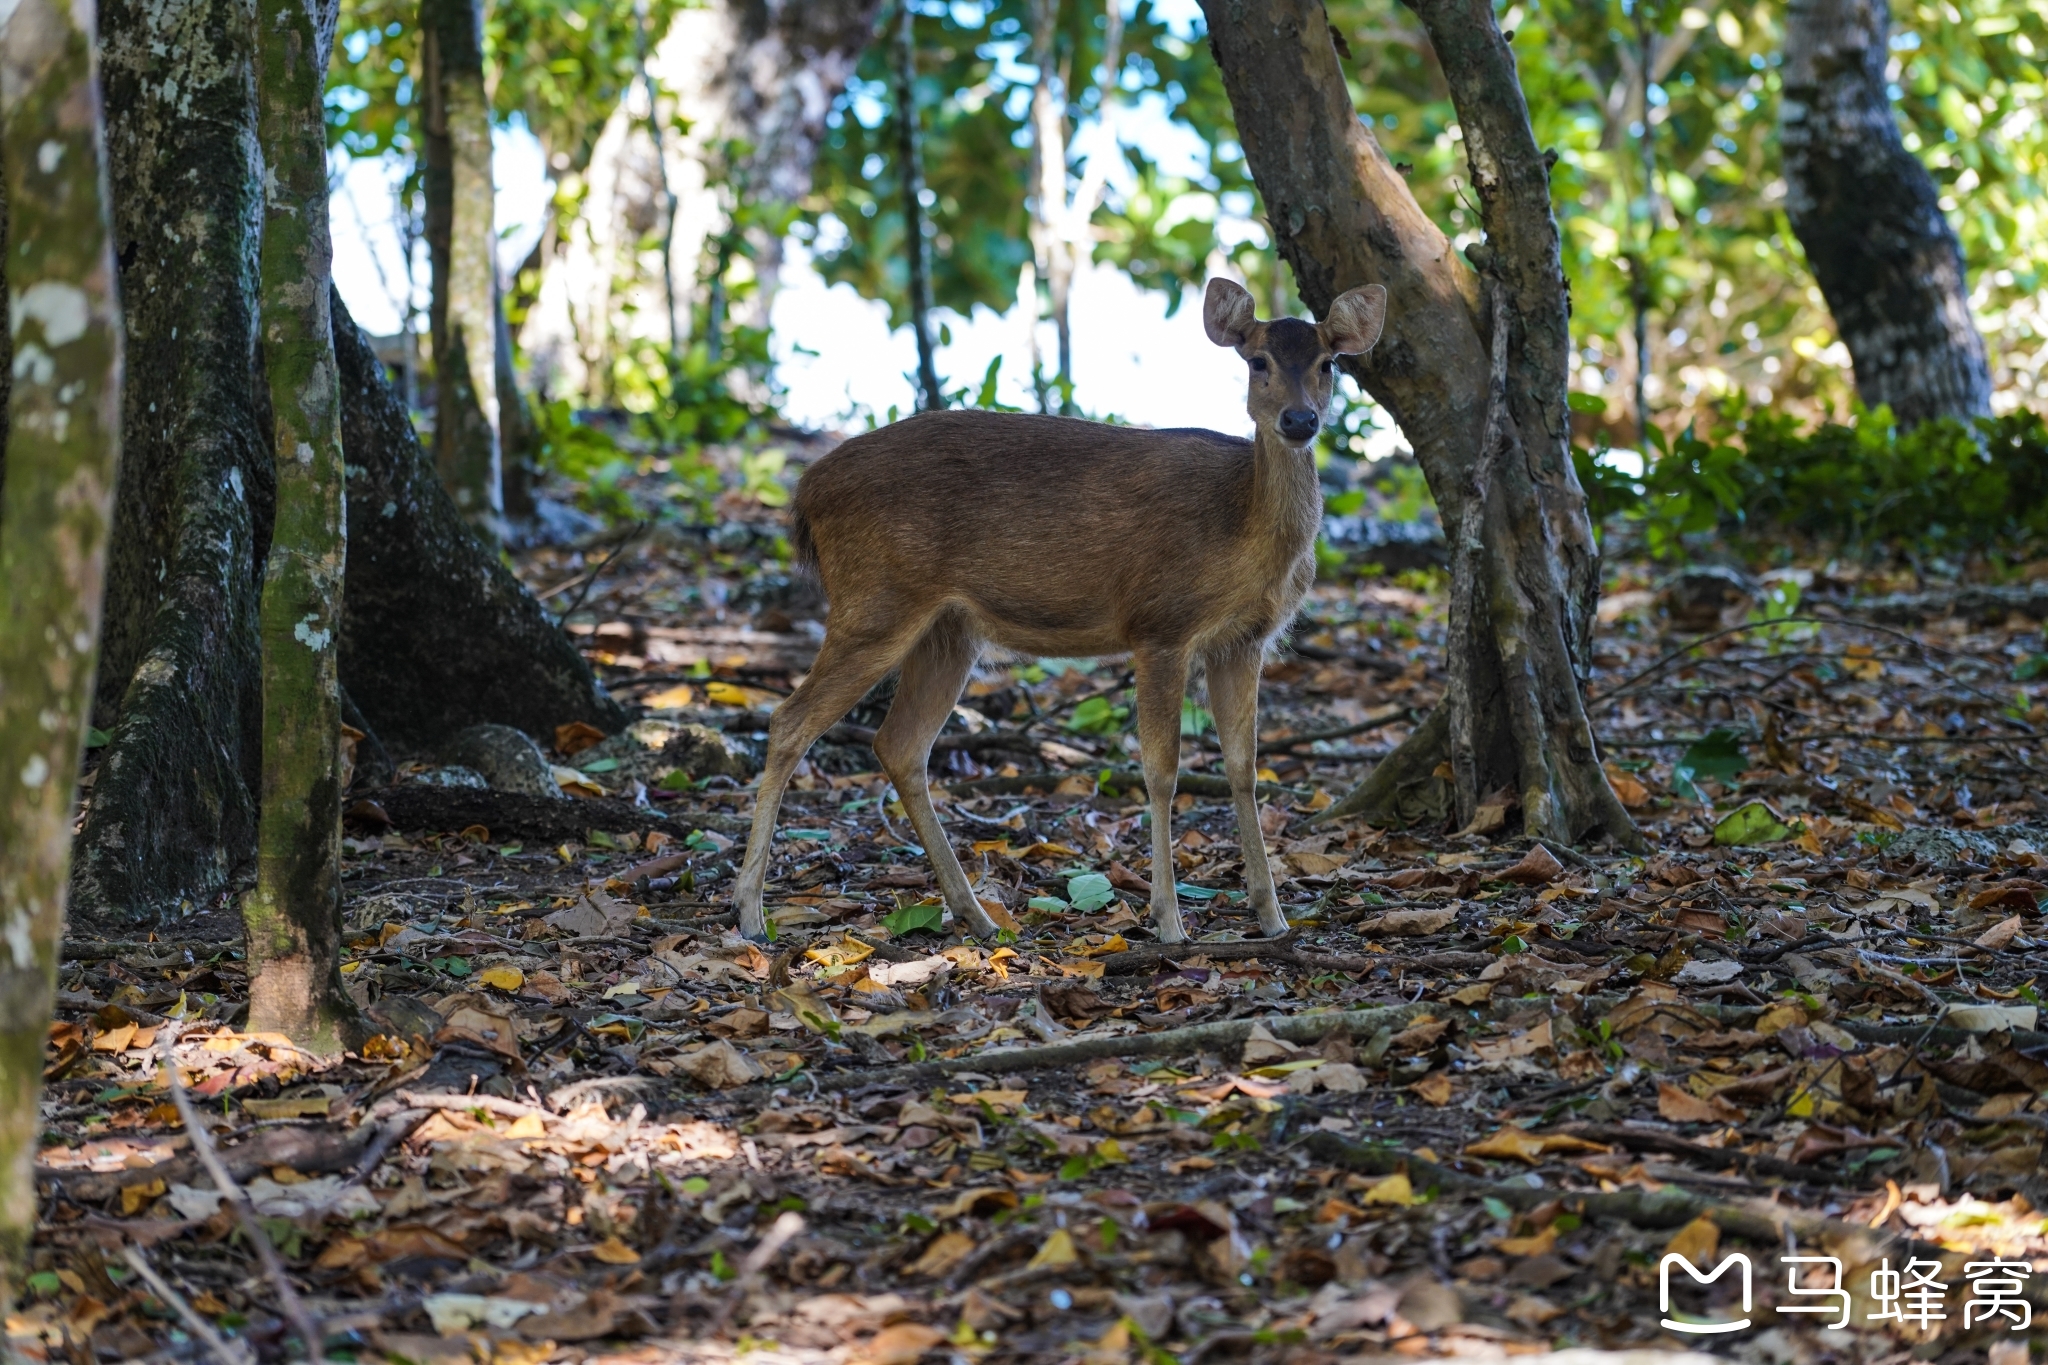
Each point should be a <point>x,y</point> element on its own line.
<point>1942,487</point>
<point>924,916</point>
<point>1089,892</point>
<point>1716,755</point>
<point>1097,716</point>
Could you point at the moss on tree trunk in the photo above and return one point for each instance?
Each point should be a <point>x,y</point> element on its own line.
<point>292,917</point>
<point>172,819</point>
<point>1488,422</point>
<point>462,242</point>
<point>56,504</point>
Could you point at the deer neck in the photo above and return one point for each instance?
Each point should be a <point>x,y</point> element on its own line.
<point>1286,501</point>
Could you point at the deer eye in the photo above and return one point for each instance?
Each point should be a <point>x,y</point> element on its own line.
<point>1329,366</point>
<point>1258,364</point>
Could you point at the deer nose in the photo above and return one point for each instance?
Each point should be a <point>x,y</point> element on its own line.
<point>1298,424</point>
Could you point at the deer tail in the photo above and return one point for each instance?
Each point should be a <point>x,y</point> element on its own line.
<point>801,544</point>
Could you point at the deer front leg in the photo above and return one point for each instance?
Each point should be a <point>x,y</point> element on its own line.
<point>842,675</point>
<point>925,695</point>
<point>1162,682</point>
<point>1234,701</point>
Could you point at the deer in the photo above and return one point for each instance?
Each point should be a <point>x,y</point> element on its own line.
<point>951,531</point>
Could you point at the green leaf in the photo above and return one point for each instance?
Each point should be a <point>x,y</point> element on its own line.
<point>2032,667</point>
<point>454,966</point>
<point>1091,891</point>
<point>909,919</point>
<point>1195,720</point>
<point>96,738</point>
<point>600,765</point>
<point>1197,893</point>
<point>1096,716</point>
<point>1750,824</point>
<point>1588,402</point>
<point>1052,905</point>
<point>1717,754</point>
<point>45,1282</point>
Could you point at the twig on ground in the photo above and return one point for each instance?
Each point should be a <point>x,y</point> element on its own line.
<point>779,1235</point>
<point>396,1130</point>
<point>288,1301</point>
<point>490,1104</point>
<point>228,1353</point>
<point>1294,1028</point>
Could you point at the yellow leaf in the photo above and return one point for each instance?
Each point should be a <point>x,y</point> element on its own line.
<point>612,1251</point>
<point>135,1198</point>
<point>503,976</point>
<point>840,953</point>
<point>1476,993</point>
<point>1057,1254</point>
<point>1697,1241</point>
<point>114,1039</point>
<point>1778,1018</point>
<point>1088,969</point>
<point>1538,1245</point>
<point>1395,1189</point>
<point>671,697</point>
<point>1268,775</point>
<point>1508,1142</point>
<point>732,694</point>
<point>527,1126</point>
<point>1115,943</point>
<point>1434,1090</point>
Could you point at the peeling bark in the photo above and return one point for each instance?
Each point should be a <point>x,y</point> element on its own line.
<point>172,819</point>
<point>462,242</point>
<point>292,917</point>
<point>1869,216</point>
<point>56,505</point>
<point>1495,450</point>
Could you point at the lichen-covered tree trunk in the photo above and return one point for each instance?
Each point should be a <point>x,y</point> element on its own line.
<point>462,242</point>
<point>292,917</point>
<point>1053,252</point>
<point>732,74</point>
<point>172,820</point>
<point>1869,216</point>
<point>56,504</point>
<point>1491,438</point>
<point>436,634</point>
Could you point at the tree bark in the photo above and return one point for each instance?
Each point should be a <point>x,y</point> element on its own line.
<point>171,818</point>
<point>63,443</point>
<point>910,169</point>
<point>462,243</point>
<point>1053,253</point>
<point>292,918</point>
<point>759,76</point>
<point>1869,216</point>
<point>436,633</point>
<point>1488,424</point>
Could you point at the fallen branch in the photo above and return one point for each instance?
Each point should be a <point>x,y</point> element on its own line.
<point>1749,1163</point>
<point>1127,778</point>
<point>288,1301</point>
<point>1668,1207</point>
<point>1292,1028</point>
<point>227,1353</point>
<point>302,1149</point>
<point>1285,949</point>
<point>490,1104</point>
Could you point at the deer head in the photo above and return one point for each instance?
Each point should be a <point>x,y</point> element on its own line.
<point>1292,362</point>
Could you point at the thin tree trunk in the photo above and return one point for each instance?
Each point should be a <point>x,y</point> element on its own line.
<point>1870,219</point>
<point>910,164</point>
<point>462,242</point>
<point>292,918</point>
<point>1494,448</point>
<point>63,442</point>
<point>1055,256</point>
<point>171,821</point>
<point>518,440</point>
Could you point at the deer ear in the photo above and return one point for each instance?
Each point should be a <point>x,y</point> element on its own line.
<point>1228,314</point>
<point>1355,319</point>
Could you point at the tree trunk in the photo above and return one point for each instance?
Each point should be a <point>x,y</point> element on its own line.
<point>435,635</point>
<point>171,818</point>
<point>462,243</point>
<point>910,170</point>
<point>1487,419</point>
<point>292,918</point>
<point>1869,216</point>
<point>742,73</point>
<point>63,432</point>
<point>1053,254</point>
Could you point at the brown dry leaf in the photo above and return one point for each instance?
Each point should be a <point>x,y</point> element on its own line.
<point>947,1250</point>
<point>1627,789</point>
<point>1539,1244</point>
<point>613,1251</point>
<point>719,1066</point>
<point>1779,1017</point>
<point>900,1344</point>
<point>1539,867</point>
<point>477,1019</point>
<point>1697,1241</point>
<point>1434,1089</point>
<point>1508,1142</point>
<point>135,1198</point>
<point>1524,1044</point>
<point>1999,935</point>
<point>1261,1048</point>
<point>743,1022</point>
<point>981,1203</point>
<point>1680,1106</point>
<point>114,1039</point>
<point>575,737</point>
<point>1410,923</point>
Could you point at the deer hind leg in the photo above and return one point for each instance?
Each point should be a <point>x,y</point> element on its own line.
<point>1162,683</point>
<point>926,692</point>
<point>1234,701</point>
<point>849,663</point>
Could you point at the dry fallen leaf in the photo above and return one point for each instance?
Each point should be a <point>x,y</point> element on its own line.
<point>1999,935</point>
<point>947,1250</point>
<point>613,1251</point>
<point>1410,923</point>
<point>1697,1241</point>
<point>1539,867</point>
<point>1396,1189</point>
<point>1434,1089</point>
<point>502,976</point>
<point>1681,1106</point>
<point>900,1344</point>
<point>719,1066</point>
<point>1057,1252</point>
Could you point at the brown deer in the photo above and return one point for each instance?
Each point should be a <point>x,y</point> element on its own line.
<point>948,531</point>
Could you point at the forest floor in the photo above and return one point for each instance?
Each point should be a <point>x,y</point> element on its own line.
<point>1464,1111</point>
